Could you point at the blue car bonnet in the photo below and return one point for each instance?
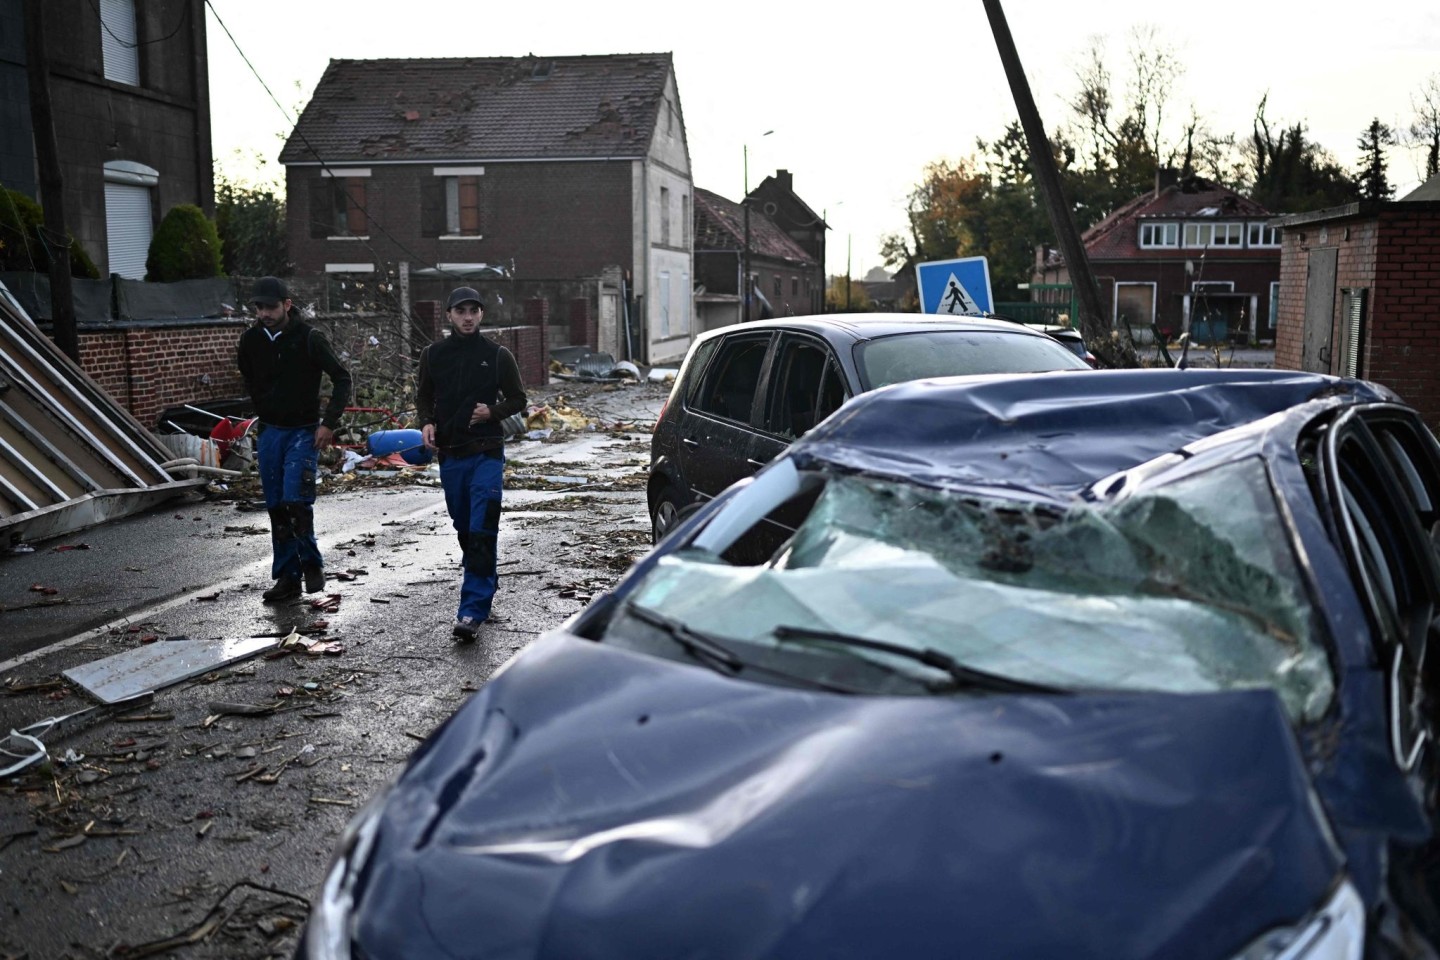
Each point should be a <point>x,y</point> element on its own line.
<point>1055,431</point>
<point>705,816</point>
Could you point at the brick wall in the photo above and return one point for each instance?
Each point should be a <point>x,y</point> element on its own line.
<point>524,343</point>
<point>149,368</point>
<point>1401,349</point>
<point>1393,252</point>
<point>540,220</point>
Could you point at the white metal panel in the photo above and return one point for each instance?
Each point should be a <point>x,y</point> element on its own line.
<point>117,41</point>
<point>127,228</point>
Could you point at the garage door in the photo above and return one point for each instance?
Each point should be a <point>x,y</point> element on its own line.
<point>127,228</point>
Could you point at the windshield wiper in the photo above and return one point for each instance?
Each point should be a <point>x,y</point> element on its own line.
<point>963,676</point>
<point>701,646</point>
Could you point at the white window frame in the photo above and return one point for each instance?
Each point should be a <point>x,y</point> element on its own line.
<point>452,200</point>
<point>1261,230</point>
<point>1203,236</point>
<point>1115,301</point>
<point>1212,286</point>
<point>1169,235</point>
<point>349,268</point>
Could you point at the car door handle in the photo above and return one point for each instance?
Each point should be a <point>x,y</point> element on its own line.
<point>689,443</point>
<point>757,464</point>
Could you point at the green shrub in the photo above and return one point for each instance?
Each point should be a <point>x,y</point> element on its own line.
<point>20,245</point>
<point>185,247</point>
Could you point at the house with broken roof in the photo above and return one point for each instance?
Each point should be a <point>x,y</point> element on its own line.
<point>786,279</point>
<point>1189,248</point>
<point>562,181</point>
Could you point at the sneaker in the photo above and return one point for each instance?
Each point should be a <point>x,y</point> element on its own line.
<point>466,629</point>
<point>286,588</point>
<point>314,579</point>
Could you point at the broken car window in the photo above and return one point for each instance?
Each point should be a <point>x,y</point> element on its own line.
<point>1190,587</point>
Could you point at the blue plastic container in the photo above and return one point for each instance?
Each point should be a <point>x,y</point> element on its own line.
<point>408,443</point>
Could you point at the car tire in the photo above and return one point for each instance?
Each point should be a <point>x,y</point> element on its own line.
<point>666,515</point>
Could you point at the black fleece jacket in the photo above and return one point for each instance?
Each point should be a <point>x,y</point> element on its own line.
<point>283,375</point>
<point>455,374</point>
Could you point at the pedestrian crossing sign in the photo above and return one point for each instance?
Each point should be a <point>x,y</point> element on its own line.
<point>954,287</point>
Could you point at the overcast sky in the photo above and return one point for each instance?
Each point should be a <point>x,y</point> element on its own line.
<point>859,105</point>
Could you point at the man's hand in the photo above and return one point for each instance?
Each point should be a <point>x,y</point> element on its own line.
<point>324,436</point>
<point>480,414</point>
<point>427,433</point>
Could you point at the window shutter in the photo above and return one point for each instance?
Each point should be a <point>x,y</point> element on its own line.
<point>128,228</point>
<point>321,208</point>
<point>432,206</point>
<point>470,205</point>
<point>118,47</point>
<point>355,219</point>
<point>1353,311</point>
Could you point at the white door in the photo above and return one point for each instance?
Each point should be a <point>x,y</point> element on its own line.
<point>127,228</point>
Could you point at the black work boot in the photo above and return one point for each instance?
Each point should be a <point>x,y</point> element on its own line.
<point>314,579</point>
<point>286,588</point>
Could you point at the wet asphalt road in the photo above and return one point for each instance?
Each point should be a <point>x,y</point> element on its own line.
<point>190,830</point>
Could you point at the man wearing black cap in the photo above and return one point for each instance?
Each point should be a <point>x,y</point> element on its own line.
<point>469,384</point>
<point>281,358</point>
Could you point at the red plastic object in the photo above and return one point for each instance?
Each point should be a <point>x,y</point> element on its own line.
<point>227,432</point>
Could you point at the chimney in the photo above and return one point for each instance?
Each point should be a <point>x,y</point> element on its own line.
<point>785,180</point>
<point>1165,177</point>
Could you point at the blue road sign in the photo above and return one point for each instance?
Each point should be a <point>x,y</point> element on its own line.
<point>955,287</point>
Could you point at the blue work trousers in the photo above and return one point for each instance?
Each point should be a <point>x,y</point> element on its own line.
<point>287,475</point>
<point>472,495</point>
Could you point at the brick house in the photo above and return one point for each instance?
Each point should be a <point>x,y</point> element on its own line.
<point>130,97</point>
<point>788,281</point>
<point>1189,247</point>
<point>777,199</point>
<point>1360,294</point>
<point>510,172</point>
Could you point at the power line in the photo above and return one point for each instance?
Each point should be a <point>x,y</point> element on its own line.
<point>184,15</point>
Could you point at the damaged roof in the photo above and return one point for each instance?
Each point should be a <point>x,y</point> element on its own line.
<point>1192,198</point>
<point>481,108</point>
<point>720,225</point>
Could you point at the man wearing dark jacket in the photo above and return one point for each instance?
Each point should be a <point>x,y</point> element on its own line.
<point>469,384</point>
<point>281,358</point>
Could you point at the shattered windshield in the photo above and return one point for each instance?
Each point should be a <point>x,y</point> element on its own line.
<point>1188,588</point>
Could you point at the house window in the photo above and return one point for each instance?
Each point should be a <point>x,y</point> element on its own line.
<point>129,216</point>
<point>779,288</point>
<point>1213,286</point>
<point>665,216</point>
<point>664,304</point>
<point>337,203</point>
<point>1263,235</point>
<point>1159,234</point>
<point>1274,309</point>
<point>1214,234</point>
<point>685,220</point>
<point>686,297</point>
<point>462,206</point>
<point>118,47</point>
<point>1352,336</point>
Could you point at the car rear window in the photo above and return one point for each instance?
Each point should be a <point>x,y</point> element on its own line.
<point>953,353</point>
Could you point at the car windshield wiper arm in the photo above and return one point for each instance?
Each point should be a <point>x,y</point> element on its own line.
<point>699,645</point>
<point>961,674</point>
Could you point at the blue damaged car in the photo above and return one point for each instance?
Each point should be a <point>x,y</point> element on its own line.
<point>1119,664</point>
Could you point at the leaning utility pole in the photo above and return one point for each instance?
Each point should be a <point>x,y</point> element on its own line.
<point>47,155</point>
<point>1042,160</point>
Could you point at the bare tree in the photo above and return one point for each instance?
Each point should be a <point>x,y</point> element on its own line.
<point>1424,132</point>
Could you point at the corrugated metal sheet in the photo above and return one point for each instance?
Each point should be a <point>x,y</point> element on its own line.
<point>70,456</point>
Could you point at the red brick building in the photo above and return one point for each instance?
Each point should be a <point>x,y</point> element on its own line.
<point>786,280</point>
<point>521,176</point>
<point>1360,295</point>
<point>1189,247</point>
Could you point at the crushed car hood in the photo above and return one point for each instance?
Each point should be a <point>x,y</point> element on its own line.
<point>594,802</point>
<point>1058,431</point>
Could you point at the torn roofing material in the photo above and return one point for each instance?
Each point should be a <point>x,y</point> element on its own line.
<point>70,456</point>
<point>482,108</point>
<point>1085,427</point>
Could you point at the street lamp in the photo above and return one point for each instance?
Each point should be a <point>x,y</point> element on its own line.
<point>745,258</point>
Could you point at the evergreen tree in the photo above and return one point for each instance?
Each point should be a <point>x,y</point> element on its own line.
<point>1373,182</point>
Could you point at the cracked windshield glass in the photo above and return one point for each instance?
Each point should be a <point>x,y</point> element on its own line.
<point>1187,588</point>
